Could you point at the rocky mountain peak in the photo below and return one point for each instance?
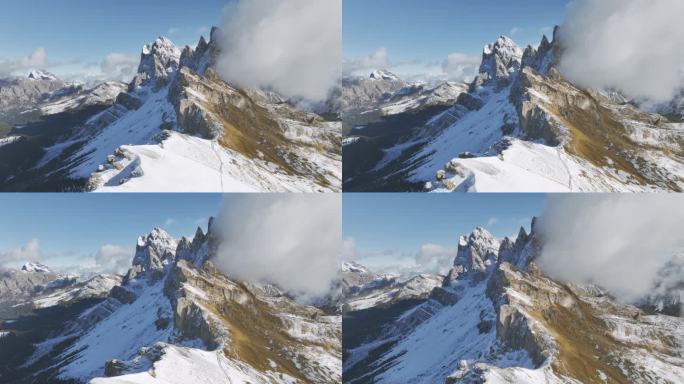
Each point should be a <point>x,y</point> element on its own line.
<point>352,267</point>
<point>204,55</point>
<point>42,75</point>
<point>196,250</point>
<point>519,251</point>
<point>158,58</point>
<point>501,58</point>
<point>476,253</point>
<point>382,74</point>
<point>35,267</point>
<point>152,252</point>
<point>157,237</point>
<point>543,57</point>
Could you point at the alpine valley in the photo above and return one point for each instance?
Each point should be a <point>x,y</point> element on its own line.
<point>518,126</point>
<point>176,127</point>
<point>173,318</point>
<point>496,317</point>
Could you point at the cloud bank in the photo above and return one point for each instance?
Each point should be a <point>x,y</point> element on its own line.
<point>455,67</point>
<point>620,242</point>
<point>290,240</point>
<point>36,60</point>
<point>461,67</point>
<point>293,46</point>
<point>376,60</point>
<point>119,67</point>
<point>28,252</point>
<point>109,258</point>
<point>113,67</point>
<point>631,45</point>
<point>430,258</point>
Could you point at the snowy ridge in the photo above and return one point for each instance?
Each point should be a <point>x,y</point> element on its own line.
<point>41,75</point>
<point>33,267</point>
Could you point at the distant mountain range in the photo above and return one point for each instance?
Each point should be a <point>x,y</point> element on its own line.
<point>518,126</point>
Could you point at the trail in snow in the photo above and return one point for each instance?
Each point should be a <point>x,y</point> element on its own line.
<point>218,156</point>
<point>226,372</point>
<point>567,169</point>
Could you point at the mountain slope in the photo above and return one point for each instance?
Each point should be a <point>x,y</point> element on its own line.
<point>497,318</point>
<point>522,127</point>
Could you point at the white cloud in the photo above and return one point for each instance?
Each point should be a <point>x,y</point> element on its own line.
<point>113,258</point>
<point>293,46</point>
<point>376,60</point>
<point>631,45</point>
<point>170,221</point>
<point>618,241</point>
<point>291,240</point>
<point>349,252</point>
<point>173,30</point>
<point>36,60</point>
<point>119,67</point>
<point>435,258</point>
<point>108,259</point>
<point>492,221</point>
<point>430,258</point>
<point>461,67</point>
<point>515,31</point>
<point>28,252</point>
<point>456,67</point>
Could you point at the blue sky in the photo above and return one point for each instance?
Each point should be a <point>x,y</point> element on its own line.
<point>77,225</point>
<point>396,226</point>
<point>88,31</point>
<point>429,30</point>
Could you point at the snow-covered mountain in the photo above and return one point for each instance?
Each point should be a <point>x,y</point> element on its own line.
<point>366,99</point>
<point>24,100</point>
<point>35,286</point>
<point>497,318</point>
<point>174,318</point>
<point>519,127</point>
<point>177,126</point>
<point>363,289</point>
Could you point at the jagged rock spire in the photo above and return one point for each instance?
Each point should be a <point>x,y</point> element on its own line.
<point>157,58</point>
<point>152,252</point>
<point>499,60</point>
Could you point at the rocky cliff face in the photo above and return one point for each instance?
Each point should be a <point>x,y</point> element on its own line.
<point>509,322</point>
<point>174,308</point>
<point>25,281</point>
<point>362,92</point>
<point>19,95</point>
<point>500,60</point>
